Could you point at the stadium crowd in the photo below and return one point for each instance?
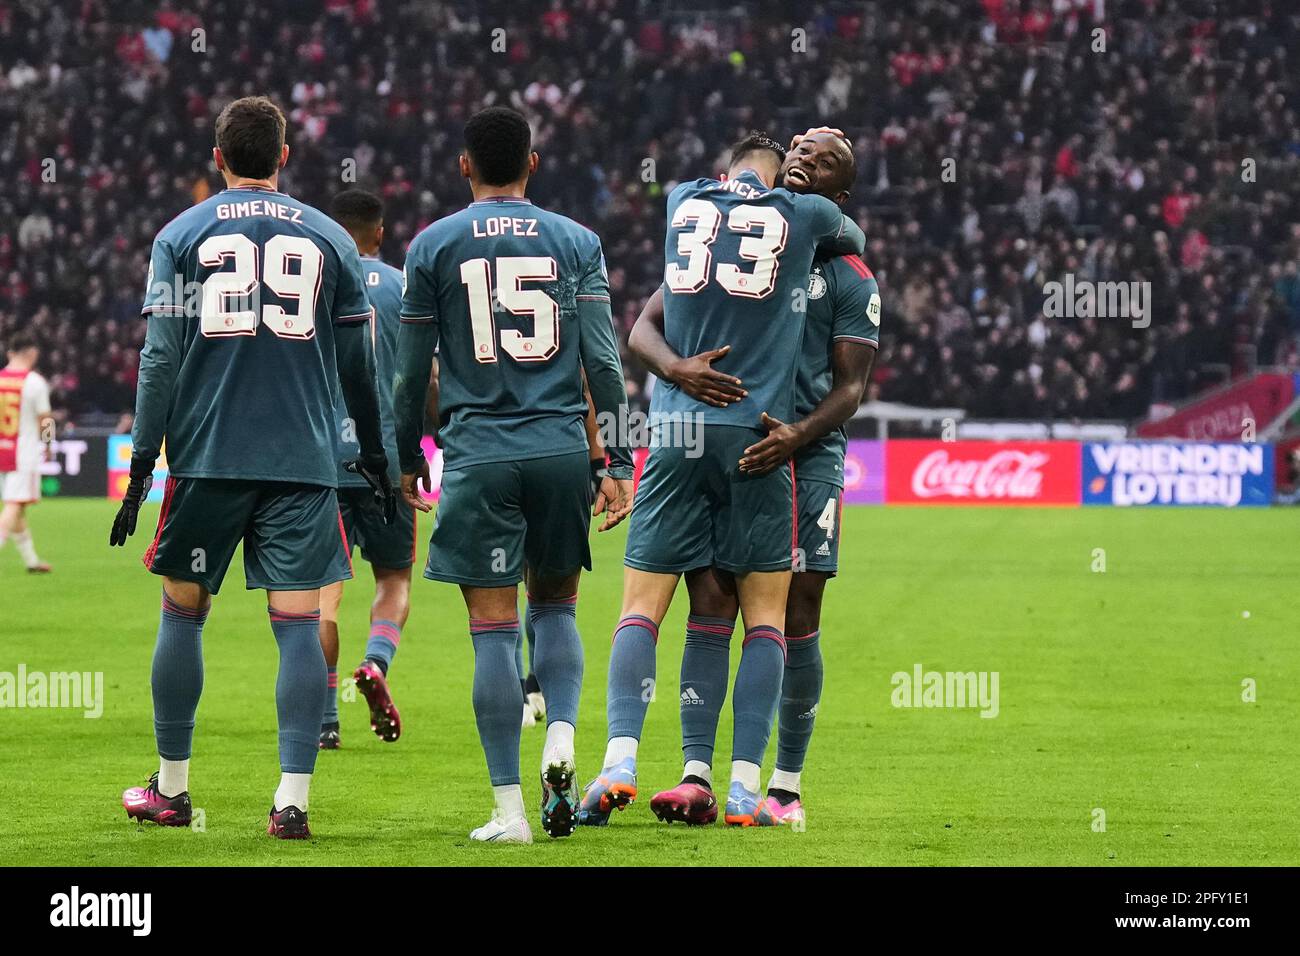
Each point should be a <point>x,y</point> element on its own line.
<point>998,146</point>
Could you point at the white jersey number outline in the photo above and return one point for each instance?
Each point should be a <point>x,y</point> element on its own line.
<point>763,249</point>
<point>216,320</point>
<point>512,272</point>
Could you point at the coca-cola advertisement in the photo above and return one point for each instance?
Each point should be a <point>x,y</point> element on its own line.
<point>982,473</point>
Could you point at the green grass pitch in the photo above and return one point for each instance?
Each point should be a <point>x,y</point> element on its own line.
<point>1120,691</point>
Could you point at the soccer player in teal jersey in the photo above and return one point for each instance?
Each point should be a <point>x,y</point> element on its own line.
<point>738,255</point>
<point>389,548</point>
<point>839,348</point>
<point>517,302</point>
<point>257,314</point>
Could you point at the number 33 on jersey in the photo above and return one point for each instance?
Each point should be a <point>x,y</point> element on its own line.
<point>737,260</point>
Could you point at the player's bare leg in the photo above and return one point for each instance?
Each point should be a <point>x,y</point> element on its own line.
<point>801,689</point>
<point>331,597</point>
<point>494,628</point>
<point>702,692</point>
<point>300,705</point>
<point>558,666</point>
<point>13,526</point>
<point>392,595</point>
<point>646,597</point>
<point>11,516</point>
<point>388,613</point>
<point>177,684</point>
<point>763,596</point>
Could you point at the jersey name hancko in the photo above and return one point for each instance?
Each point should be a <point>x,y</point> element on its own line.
<point>743,189</point>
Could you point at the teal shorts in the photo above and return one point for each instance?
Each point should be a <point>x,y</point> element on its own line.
<point>819,505</point>
<point>693,512</point>
<point>382,545</point>
<point>494,518</point>
<point>292,534</point>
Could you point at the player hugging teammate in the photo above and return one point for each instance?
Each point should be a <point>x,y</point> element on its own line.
<point>265,384</point>
<point>725,520</point>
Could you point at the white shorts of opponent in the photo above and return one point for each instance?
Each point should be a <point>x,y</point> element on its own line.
<point>20,487</point>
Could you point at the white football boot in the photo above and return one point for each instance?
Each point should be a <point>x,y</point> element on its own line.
<point>498,830</point>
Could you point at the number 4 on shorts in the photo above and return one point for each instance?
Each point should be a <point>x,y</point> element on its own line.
<point>827,520</point>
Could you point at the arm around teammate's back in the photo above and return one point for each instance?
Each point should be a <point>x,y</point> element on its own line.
<point>836,233</point>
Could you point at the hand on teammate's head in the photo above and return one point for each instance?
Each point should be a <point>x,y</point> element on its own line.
<point>813,131</point>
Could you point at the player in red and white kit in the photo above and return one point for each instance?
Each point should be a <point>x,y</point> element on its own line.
<point>24,416</point>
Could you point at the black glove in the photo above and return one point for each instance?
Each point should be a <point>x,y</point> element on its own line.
<point>374,468</point>
<point>136,491</point>
<point>598,473</point>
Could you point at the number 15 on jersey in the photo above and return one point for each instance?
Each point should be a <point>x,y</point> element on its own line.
<point>511,273</point>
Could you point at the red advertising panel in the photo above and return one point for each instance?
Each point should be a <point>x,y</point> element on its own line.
<point>982,473</point>
<point>1222,415</point>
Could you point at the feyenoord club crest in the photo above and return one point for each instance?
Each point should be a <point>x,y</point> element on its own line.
<point>816,285</point>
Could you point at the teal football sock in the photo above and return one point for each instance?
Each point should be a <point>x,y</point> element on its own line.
<point>177,678</point>
<point>559,657</point>
<point>530,632</point>
<point>381,645</point>
<point>331,696</point>
<point>703,688</point>
<point>631,675</point>
<point>300,688</point>
<point>801,690</point>
<point>519,651</point>
<point>758,691</point>
<point>498,698</point>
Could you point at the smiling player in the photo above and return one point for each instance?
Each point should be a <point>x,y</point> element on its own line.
<point>738,252</point>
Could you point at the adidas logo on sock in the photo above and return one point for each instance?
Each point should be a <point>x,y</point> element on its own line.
<point>690,697</point>
<point>809,714</point>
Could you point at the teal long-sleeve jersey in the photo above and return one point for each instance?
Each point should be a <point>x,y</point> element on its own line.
<point>516,301</point>
<point>384,289</point>
<point>257,314</point>
<point>738,258</point>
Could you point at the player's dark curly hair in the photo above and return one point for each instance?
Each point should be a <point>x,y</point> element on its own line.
<point>250,135</point>
<point>498,141</point>
<point>756,141</point>
<point>357,209</point>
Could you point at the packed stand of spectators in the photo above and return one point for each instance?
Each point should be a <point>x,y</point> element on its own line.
<point>999,147</point>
